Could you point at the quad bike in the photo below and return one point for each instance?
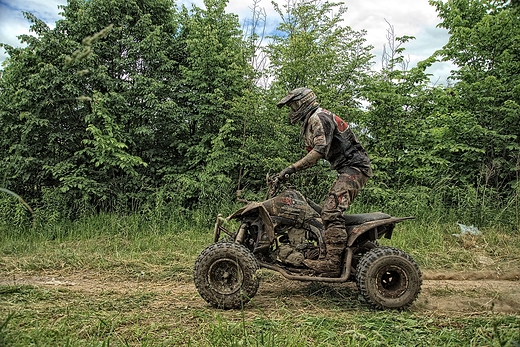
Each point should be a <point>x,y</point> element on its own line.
<point>282,231</point>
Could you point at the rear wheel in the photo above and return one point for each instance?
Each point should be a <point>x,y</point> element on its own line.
<point>225,275</point>
<point>388,278</point>
<point>361,250</point>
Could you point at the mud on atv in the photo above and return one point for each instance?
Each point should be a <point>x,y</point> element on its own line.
<point>282,231</point>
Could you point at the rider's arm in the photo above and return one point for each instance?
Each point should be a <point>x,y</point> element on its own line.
<point>309,160</point>
<point>316,138</point>
<point>304,163</point>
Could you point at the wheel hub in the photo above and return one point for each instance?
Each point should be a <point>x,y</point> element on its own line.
<point>225,276</point>
<point>392,282</point>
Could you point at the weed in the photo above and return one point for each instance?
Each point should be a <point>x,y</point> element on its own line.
<point>126,280</point>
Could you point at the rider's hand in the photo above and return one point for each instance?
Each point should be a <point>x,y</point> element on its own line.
<point>285,173</point>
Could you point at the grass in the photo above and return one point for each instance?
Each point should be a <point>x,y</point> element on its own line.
<point>126,281</point>
<point>66,318</point>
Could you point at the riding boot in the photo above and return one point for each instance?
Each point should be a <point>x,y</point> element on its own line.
<point>335,239</point>
<point>330,266</point>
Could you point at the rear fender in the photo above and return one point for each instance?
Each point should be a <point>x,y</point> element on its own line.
<point>374,229</point>
<point>257,208</point>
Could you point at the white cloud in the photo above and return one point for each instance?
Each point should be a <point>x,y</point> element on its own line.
<point>46,10</point>
<point>11,26</point>
<point>408,17</point>
<point>13,23</point>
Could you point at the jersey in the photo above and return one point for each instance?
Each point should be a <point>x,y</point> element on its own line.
<point>332,137</point>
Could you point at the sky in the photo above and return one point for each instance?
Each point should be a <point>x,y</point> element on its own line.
<point>407,17</point>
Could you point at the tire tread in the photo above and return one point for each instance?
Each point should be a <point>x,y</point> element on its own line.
<point>248,264</point>
<point>369,259</point>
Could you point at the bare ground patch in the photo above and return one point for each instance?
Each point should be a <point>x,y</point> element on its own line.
<point>450,293</point>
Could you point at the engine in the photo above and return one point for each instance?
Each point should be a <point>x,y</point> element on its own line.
<point>295,245</point>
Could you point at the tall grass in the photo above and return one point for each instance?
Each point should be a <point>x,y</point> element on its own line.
<point>161,227</point>
<point>160,244</point>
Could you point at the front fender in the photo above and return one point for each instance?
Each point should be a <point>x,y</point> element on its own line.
<point>259,209</point>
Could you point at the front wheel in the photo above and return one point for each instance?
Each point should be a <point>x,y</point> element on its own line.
<point>388,278</point>
<point>225,275</point>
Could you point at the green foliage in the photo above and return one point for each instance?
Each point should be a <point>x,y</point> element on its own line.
<point>397,128</point>
<point>314,49</point>
<point>125,101</point>
<point>462,138</point>
<point>484,45</point>
<point>57,125</point>
<point>112,116</point>
<point>213,77</point>
<point>311,47</point>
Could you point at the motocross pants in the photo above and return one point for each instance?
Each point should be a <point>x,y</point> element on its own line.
<point>346,187</point>
<point>343,191</point>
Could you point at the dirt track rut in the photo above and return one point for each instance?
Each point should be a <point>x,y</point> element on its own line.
<point>442,292</point>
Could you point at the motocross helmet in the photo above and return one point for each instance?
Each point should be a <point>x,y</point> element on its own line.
<point>302,101</point>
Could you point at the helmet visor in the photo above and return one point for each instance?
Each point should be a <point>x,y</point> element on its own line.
<point>294,105</point>
<point>285,100</point>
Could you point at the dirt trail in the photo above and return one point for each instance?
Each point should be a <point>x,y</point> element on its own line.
<point>442,292</point>
<point>471,292</point>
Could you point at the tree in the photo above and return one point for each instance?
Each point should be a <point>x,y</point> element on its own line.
<point>118,99</point>
<point>212,75</point>
<point>83,109</point>
<point>484,45</point>
<point>398,120</point>
<point>214,78</point>
<point>312,48</point>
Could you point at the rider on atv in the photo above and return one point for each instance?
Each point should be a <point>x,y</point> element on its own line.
<point>329,137</point>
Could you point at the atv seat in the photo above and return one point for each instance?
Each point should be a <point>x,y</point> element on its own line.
<point>356,219</point>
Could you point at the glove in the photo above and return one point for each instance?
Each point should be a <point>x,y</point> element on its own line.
<point>285,173</point>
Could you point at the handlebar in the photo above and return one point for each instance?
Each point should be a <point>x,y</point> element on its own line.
<point>273,184</point>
